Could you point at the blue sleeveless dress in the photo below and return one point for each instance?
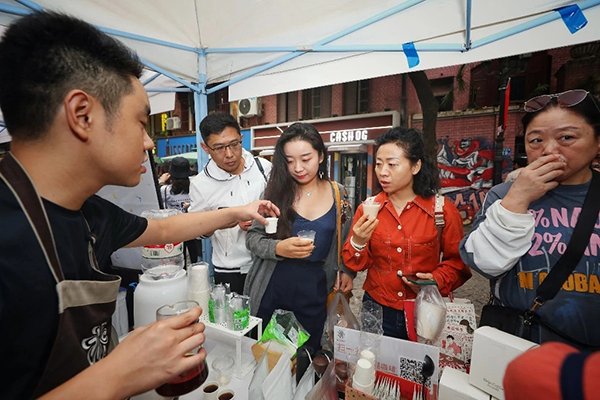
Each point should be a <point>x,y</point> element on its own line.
<point>300,285</point>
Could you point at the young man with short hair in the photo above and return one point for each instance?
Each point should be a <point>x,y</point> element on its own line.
<point>77,112</point>
<point>231,177</point>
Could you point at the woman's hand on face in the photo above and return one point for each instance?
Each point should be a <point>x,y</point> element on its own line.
<point>422,276</point>
<point>294,247</point>
<point>533,182</point>
<point>363,229</point>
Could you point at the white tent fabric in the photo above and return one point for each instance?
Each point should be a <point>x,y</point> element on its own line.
<point>211,25</point>
<point>160,102</point>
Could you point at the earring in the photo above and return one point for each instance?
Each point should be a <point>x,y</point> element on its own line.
<point>321,174</point>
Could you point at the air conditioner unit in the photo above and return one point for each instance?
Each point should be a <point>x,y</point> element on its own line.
<point>249,107</point>
<point>173,123</point>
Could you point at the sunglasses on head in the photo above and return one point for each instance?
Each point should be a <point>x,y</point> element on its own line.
<point>570,98</point>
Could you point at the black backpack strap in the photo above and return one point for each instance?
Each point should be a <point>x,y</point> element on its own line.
<point>577,244</point>
<point>260,168</point>
<point>571,376</point>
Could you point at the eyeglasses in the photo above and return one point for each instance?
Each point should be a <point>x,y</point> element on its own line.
<point>233,146</point>
<point>570,98</point>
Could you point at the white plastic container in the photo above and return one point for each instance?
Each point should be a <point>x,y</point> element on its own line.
<point>152,294</point>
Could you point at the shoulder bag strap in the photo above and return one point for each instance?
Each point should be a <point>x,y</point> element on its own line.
<point>440,222</point>
<point>577,244</point>
<point>260,168</point>
<point>338,204</point>
<point>20,184</point>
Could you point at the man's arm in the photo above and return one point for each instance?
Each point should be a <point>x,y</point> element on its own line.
<point>147,358</point>
<point>191,225</point>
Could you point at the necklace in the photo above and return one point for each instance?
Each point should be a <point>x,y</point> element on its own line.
<point>307,192</point>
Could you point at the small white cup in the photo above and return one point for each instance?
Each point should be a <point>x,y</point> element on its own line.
<point>371,209</point>
<point>271,226</point>
<point>369,356</point>
<point>363,375</point>
<point>213,392</point>
<point>226,394</point>
<point>366,389</point>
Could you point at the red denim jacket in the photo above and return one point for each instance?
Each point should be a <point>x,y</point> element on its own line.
<point>408,243</point>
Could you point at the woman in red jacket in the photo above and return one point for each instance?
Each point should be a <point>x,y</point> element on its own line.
<point>403,240</point>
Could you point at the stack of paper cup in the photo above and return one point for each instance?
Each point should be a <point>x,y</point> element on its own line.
<point>370,357</point>
<point>199,286</point>
<point>364,376</point>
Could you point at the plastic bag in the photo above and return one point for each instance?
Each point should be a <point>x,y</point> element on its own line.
<point>338,314</point>
<point>285,329</point>
<point>305,385</point>
<point>430,312</point>
<point>279,384</point>
<point>260,374</point>
<point>326,388</point>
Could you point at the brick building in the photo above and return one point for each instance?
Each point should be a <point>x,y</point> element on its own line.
<point>466,124</point>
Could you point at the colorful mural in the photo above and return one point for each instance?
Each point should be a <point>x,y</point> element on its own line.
<point>466,171</point>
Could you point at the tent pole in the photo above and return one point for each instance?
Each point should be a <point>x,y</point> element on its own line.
<point>30,4</point>
<point>168,90</point>
<point>394,10</point>
<point>201,111</point>
<point>552,16</point>
<point>468,27</point>
<point>168,74</point>
<point>153,77</point>
<point>5,8</point>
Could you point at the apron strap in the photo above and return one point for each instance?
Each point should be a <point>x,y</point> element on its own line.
<point>19,182</point>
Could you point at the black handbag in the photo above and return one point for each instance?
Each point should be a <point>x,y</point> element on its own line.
<point>519,323</point>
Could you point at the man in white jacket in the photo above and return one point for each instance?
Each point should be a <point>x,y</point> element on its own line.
<point>231,177</point>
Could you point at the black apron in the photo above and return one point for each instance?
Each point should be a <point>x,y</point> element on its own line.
<point>85,307</point>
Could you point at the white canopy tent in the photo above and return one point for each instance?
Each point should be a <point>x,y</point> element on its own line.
<point>262,47</point>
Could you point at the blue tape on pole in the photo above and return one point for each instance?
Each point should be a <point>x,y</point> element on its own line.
<point>411,54</point>
<point>573,17</point>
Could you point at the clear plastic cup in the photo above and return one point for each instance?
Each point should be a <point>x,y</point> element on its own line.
<point>308,235</point>
<point>223,368</point>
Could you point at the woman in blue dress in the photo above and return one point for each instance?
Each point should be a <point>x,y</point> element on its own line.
<point>288,272</point>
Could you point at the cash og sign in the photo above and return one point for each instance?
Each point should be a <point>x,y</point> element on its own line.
<point>349,136</point>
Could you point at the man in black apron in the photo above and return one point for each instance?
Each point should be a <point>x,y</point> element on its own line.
<point>76,110</point>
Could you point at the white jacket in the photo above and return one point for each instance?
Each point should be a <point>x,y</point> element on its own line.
<point>214,188</point>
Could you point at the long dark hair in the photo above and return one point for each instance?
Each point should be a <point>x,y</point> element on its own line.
<point>426,182</point>
<point>180,185</point>
<point>282,188</point>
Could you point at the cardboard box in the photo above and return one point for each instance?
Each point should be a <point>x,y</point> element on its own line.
<point>492,351</point>
<point>454,385</point>
<point>272,357</point>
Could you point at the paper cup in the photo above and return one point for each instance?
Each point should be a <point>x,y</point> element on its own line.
<point>211,390</point>
<point>271,226</point>
<point>371,209</point>
<point>363,374</point>
<point>366,389</point>
<point>226,394</point>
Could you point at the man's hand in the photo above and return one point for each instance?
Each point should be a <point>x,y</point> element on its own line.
<point>294,247</point>
<point>255,210</point>
<point>363,229</point>
<point>533,182</point>
<point>149,357</point>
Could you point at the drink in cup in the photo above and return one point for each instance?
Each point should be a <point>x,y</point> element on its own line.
<point>371,209</point>
<point>271,226</point>
<point>193,378</point>
<point>308,235</point>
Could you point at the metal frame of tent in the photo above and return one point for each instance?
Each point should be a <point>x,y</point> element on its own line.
<point>199,88</point>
